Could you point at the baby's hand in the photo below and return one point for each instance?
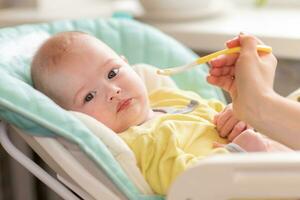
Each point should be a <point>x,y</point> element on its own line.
<point>228,125</point>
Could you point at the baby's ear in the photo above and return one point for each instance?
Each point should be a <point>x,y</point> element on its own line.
<point>124,58</point>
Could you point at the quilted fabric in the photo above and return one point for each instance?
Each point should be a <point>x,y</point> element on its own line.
<point>36,114</point>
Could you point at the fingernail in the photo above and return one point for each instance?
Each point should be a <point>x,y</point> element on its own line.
<point>229,41</point>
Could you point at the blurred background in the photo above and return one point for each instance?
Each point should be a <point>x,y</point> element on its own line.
<point>202,25</point>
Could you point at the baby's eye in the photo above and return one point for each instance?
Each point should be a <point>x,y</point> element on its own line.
<point>89,96</point>
<point>112,73</point>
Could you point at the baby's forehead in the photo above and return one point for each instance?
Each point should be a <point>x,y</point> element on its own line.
<point>64,50</point>
<point>74,42</point>
<point>64,41</point>
<point>59,46</point>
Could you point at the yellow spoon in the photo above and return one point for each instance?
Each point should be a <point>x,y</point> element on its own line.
<point>205,59</point>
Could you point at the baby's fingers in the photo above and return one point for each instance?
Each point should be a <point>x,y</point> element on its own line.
<point>222,118</point>
<point>218,145</point>
<point>216,119</point>
<point>228,127</point>
<point>238,129</point>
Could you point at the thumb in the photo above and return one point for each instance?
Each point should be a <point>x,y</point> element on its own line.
<point>248,45</point>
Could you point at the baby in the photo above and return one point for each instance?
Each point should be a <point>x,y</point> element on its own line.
<point>169,130</point>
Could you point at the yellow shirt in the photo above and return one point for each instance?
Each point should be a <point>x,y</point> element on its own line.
<point>170,143</point>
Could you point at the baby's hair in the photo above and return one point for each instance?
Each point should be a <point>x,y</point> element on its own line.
<point>48,56</point>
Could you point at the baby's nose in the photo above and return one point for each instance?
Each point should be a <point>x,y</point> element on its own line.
<point>115,93</point>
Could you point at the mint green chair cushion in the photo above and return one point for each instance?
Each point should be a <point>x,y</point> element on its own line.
<point>33,112</point>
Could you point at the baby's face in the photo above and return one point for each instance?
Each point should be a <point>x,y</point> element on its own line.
<point>94,80</point>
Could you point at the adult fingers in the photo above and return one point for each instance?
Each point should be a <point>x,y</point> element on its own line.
<point>222,71</point>
<point>225,82</point>
<point>249,45</point>
<point>224,60</point>
<point>234,42</point>
<point>238,41</point>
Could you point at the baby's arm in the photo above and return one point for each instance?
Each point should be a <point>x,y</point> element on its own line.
<point>228,125</point>
<point>252,141</point>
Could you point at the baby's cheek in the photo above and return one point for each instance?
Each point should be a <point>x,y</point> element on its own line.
<point>102,114</point>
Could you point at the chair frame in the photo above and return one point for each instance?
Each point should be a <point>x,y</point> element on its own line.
<point>251,175</point>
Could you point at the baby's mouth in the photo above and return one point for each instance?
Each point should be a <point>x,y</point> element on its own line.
<point>123,104</point>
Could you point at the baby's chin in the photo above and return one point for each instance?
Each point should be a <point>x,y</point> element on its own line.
<point>129,125</point>
<point>125,127</point>
<point>138,116</point>
<point>120,130</point>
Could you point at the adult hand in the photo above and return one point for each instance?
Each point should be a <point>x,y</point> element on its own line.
<point>247,76</point>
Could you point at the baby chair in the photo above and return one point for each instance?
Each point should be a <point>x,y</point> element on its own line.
<point>88,158</point>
